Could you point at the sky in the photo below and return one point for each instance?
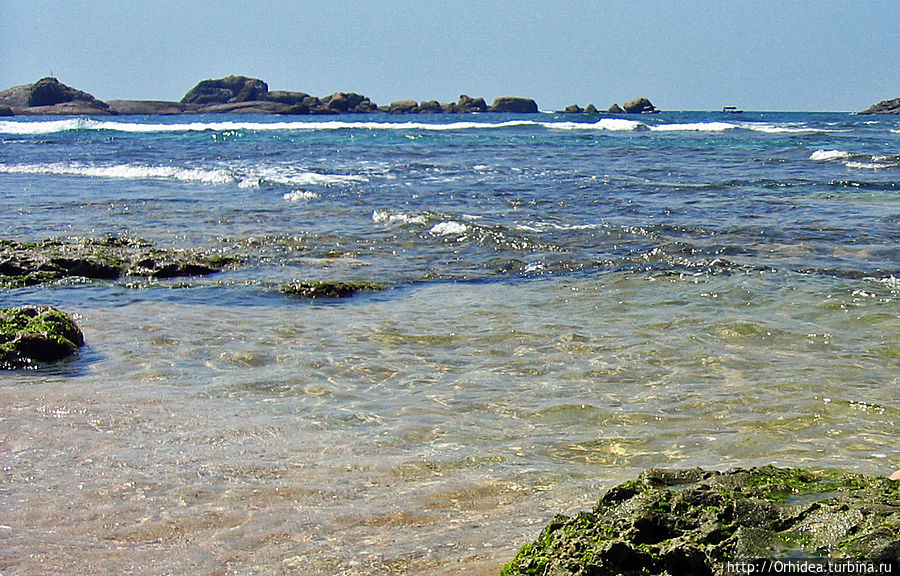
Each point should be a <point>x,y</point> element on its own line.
<point>826,55</point>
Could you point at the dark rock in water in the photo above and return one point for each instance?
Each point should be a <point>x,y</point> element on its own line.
<point>694,522</point>
<point>591,109</point>
<point>466,105</point>
<point>884,107</point>
<point>50,96</point>
<point>329,289</point>
<point>514,104</point>
<point>147,107</point>
<point>639,106</point>
<point>573,109</point>
<point>402,107</point>
<point>615,109</point>
<point>50,92</point>
<point>35,335</point>
<point>430,107</point>
<point>349,103</point>
<point>5,111</point>
<point>225,90</point>
<point>28,264</point>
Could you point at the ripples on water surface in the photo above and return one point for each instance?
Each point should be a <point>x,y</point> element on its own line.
<point>570,303</point>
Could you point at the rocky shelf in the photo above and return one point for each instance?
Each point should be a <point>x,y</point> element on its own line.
<point>31,263</point>
<point>702,523</point>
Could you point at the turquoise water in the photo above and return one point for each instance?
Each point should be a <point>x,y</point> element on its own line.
<point>572,300</point>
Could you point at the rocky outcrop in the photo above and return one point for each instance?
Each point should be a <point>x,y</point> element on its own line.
<point>402,107</point>
<point>49,96</point>
<point>27,264</point>
<point>245,95</point>
<point>329,289</point>
<point>514,105</point>
<point>31,336</point>
<point>694,522</point>
<point>639,106</point>
<point>615,109</point>
<point>226,90</point>
<point>884,107</point>
<point>466,105</point>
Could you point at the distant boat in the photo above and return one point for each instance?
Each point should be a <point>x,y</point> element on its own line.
<point>731,110</point>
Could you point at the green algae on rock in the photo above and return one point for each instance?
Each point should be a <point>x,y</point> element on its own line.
<point>694,522</point>
<point>29,263</point>
<point>329,289</point>
<point>35,335</point>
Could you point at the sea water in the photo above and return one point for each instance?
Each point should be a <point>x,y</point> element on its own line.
<point>570,300</point>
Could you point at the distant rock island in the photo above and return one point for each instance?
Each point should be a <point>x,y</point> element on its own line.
<point>243,95</point>
<point>884,107</point>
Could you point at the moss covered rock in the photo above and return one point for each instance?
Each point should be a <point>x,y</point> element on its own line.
<point>329,289</point>
<point>27,263</point>
<point>35,335</point>
<point>696,522</point>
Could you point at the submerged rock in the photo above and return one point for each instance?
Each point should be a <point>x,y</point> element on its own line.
<point>693,522</point>
<point>27,264</point>
<point>35,335</point>
<point>884,107</point>
<point>329,289</point>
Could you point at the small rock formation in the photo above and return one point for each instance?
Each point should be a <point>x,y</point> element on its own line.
<point>693,522</point>
<point>514,104</point>
<point>465,105</point>
<point>50,96</point>
<point>34,335</point>
<point>639,106</point>
<point>615,109</point>
<point>402,107</point>
<point>884,107</point>
<point>28,264</point>
<point>226,90</point>
<point>329,289</point>
<point>5,111</point>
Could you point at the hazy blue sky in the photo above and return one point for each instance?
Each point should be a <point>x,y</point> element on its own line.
<point>683,55</point>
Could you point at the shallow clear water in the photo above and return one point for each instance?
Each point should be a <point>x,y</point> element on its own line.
<point>570,303</point>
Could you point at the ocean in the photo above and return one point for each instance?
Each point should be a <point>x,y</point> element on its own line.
<point>570,300</point>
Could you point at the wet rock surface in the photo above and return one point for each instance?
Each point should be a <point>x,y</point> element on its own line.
<point>329,289</point>
<point>31,336</point>
<point>28,264</point>
<point>696,522</point>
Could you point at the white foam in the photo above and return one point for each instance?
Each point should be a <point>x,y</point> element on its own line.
<point>448,228</point>
<point>866,165</point>
<point>289,176</point>
<point>297,195</point>
<point>609,124</point>
<point>125,171</point>
<point>825,155</point>
<point>381,216</point>
<point>695,127</point>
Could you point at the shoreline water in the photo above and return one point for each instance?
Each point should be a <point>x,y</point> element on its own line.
<point>566,307</point>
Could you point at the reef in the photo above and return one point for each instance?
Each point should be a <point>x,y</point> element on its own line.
<point>329,289</point>
<point>703,523</point>
<point>30,263</point>
<point>31,336</point>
